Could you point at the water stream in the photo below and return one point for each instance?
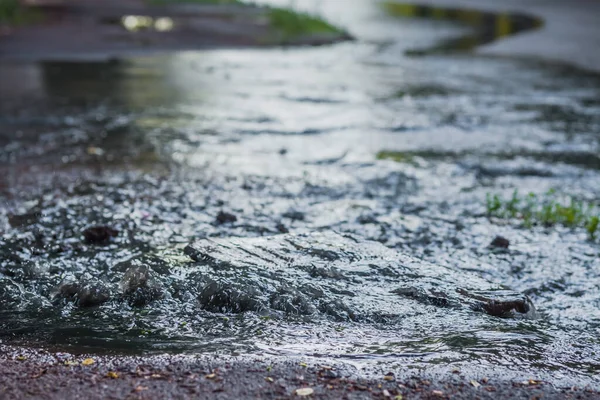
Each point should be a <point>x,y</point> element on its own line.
<point>333,197</point>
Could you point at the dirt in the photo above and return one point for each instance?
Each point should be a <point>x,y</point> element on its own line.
<point>37,374</point>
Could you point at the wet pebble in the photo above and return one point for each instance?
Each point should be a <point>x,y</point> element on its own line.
<point>294,215</point>
<point>20,220</point>
<point>93,295</point>
<point>366,219</point>
<point>500,242</point>
<point>222,296</point>
<point>281,228</point>
<point>139,287</point>
<point>85,294</point>
<point>99,234</point>
<point>225,217</point>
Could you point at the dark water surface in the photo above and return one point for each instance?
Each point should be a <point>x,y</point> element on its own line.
<point>305,241</point>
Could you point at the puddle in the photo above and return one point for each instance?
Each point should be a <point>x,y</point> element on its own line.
<point>331,201</point>
<point>487,26</point>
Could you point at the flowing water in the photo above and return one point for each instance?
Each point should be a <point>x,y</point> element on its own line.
<point>311,201</point>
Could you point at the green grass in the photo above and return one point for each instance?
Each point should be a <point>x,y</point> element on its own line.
<point>11,13</point>
<point>291,24</point>
<point>166,2</point>
<point>288,24</point>
<point>549,209</point>
<point>397,156</point>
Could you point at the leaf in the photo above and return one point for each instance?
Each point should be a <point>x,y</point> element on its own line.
<point>69,363</point>
<point>88,361</point>
<point>269,379</point>
<point>398,397</point>
<point>304,392</point>
<point>211,376</point>
<point>112,375</point>
<point>303,364</point>
<point>475,384</point>
<point>21,358</point>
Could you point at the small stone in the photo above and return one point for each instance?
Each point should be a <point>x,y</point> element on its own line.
<point>139,286</point>
<point>329,374</point>
<point>99,234</point>
<point>281,228</point>
<point>294,215</point>
<point>225,217</point>
<point>93,294</point>
<point>304,392</point>
<point>85,294</point>
<point>366,219</point>
<point>500,242</point>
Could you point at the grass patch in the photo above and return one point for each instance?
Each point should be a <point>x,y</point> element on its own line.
<point>397,156</point>
<point>547,210</point>
<point>288,24</point>
<point>12,13</point>
<point>167,2</point>
<point>291,24</point>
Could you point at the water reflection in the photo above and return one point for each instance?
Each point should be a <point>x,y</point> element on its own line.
<point>135,23</point>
